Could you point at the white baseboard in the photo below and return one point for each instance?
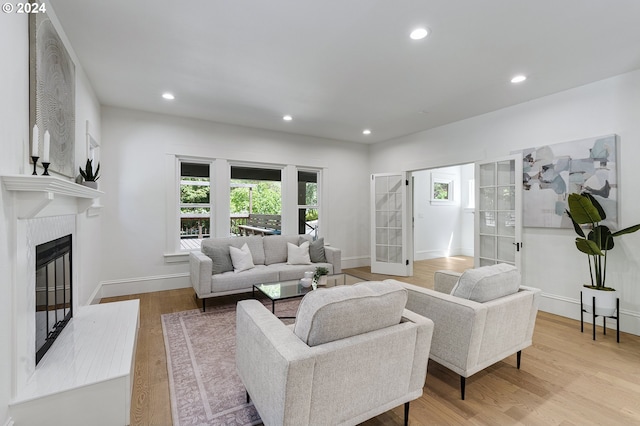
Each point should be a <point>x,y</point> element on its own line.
<point>356,262</point>
<point>113,288</point>
<point>570,308</point>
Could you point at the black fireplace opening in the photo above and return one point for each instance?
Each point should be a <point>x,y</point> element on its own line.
<point>53,292</point>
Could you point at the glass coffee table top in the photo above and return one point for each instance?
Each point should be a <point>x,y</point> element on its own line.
<point>292,289</point>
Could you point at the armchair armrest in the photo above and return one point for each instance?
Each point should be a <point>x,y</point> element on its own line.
<point>334,257</point>
<point>274,365</point>
<point>200,272</point>
<point>444,281</point>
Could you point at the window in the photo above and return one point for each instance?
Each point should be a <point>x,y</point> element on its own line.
<point>308,202</point>
<point>195,204</point>
<point>441,189</point>
<point>255,200</point>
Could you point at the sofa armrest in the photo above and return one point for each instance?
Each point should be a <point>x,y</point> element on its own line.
<point>444,281</point>
<point>459,326</point>
<point>334,257</point>
<point>200,272</point>
<point>275,366</point>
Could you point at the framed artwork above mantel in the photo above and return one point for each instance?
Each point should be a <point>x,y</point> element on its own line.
<point>52,94</point>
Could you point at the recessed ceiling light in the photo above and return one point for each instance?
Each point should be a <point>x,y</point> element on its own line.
<point>287,118</point>
<point>168,96</point>
<point>419,33</point>
<point>366,132</point>
<point>518,79</point>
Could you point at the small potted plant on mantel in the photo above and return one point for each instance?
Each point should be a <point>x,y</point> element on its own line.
<point>89,176</point>
<point>584,209</point>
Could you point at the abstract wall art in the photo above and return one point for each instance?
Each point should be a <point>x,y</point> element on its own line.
<point>52,93</point>
<point>552,172</point>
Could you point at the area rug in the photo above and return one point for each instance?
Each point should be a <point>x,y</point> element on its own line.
<point>204,385</point>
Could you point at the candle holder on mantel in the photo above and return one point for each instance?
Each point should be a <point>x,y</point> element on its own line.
<point>34,158</point>
<point>46,168</point>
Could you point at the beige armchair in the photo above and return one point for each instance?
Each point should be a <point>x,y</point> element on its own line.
<point>353,353</point>
<point>469,336</point>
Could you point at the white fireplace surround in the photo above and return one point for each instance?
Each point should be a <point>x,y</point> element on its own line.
<point>45,208</point>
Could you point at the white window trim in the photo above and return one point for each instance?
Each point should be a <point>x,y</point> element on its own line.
<point>442,178</point>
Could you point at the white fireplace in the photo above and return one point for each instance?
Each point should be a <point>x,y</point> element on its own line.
<point>87,374</point>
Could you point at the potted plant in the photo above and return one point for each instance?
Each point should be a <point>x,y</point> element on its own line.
<point>90,177</point>
<point>320,275</point>
<point>584,209</point>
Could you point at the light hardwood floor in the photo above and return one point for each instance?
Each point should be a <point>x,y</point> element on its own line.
<point>565,377</point>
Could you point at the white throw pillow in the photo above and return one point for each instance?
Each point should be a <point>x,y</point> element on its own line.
<point>298,255</point>
<point>241,258</point>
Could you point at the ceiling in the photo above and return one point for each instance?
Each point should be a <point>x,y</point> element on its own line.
<point>341,66</point>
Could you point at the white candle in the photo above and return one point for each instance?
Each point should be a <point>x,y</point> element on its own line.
<point>34,144</point>
<point>45,150</point>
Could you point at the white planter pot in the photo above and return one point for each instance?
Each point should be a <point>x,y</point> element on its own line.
<point>605,301</point>
<point>90,184</point>
<point>322,280</point>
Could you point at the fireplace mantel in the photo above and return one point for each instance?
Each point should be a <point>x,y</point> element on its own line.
<point>42,196</point>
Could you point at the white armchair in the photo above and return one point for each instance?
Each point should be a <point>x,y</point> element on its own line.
<point>471,335</point>
<point>353,353</point>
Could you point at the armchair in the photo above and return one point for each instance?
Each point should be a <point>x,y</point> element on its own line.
<point>353,353</point>
<point>469,335</point>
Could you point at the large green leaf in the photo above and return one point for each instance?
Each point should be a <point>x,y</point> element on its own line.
<point>582,209</point>
<point>576,225</point>
<point>597,205</point>
<point>588,247</point>
<point>601,235</point>
<point>628,230</point>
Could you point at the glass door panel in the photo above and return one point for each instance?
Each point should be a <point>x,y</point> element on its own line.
<point>389,195</point>
<point>498,213</point>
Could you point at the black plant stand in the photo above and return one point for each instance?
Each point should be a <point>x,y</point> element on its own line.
<point>604,318</point>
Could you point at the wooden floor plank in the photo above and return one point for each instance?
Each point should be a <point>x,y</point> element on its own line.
<point>566,378</point>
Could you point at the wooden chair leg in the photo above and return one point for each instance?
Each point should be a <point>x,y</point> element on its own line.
<point>462,385</point>
<point>518,357</point>
<point>406,414</point>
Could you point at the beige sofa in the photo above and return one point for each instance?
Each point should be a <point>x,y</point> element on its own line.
<point>353,353</point>
<point>469,336</point>
<point>212,274</point>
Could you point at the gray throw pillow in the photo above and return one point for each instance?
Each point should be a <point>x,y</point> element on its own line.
<point>316,250</point>
<point>220,257</point>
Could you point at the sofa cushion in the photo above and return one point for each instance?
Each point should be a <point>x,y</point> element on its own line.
<point>487,283</point>
<point>220,257</point>
<point>275,248</point>
<point>316,250</point>
<point>241,258</point>
<point>295,272</point>
<point>298,255</point>
<point>334,313</point>
<point>232,282</point>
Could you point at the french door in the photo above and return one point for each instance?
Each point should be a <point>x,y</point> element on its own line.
<point>498,212</point>
<point>390,237</point>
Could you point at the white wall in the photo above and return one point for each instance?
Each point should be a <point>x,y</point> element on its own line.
<point>438,228</point>
<point>14,142</point>
<point>550,260</point>
<point>135,178</point>
<point>14,135</point>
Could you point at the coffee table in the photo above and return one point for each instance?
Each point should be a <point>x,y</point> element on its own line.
<point>292,289</point>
